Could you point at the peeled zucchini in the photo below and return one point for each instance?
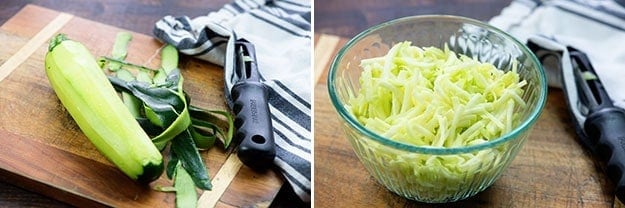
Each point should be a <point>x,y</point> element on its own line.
<point>84,90</point>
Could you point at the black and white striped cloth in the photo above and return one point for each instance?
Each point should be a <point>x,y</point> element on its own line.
<point>596,27</point>
<point>281,33</point>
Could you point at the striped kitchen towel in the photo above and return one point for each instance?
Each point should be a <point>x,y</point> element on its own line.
<point>596,27</point>
<point>281,33</point>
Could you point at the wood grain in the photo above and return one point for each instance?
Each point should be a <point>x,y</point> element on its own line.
<point>347,18</point>
<point>551,170</point>
<point>42,149</point>
<point>134,15</point>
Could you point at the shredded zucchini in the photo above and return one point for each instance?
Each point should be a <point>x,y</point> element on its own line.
<point>433,97</point>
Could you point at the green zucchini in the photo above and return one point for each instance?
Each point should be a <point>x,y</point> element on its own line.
<point>84,90</point>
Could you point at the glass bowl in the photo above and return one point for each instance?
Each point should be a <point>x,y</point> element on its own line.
<point>415,172</point>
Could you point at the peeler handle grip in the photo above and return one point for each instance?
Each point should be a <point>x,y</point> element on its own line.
<point>605,128</point>
<point>253,125</point>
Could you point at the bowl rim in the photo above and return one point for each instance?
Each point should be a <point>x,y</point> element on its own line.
<point>521,128</point>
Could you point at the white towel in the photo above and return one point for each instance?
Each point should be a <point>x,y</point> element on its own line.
<point>596,27</point>
<point>281,33</point>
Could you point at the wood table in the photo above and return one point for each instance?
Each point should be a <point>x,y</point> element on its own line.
<point>42,149</point>
<point>551,170</point>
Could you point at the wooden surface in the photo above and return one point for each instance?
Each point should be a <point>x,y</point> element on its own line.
<point>346,18</point>
<point>134,15</point>
<point>43,150</point>
<point>551,170</point>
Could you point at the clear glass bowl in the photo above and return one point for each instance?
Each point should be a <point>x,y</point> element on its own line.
<point>406,169</point>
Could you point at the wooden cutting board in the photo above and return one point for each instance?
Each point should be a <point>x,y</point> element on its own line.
<point>43,150</point>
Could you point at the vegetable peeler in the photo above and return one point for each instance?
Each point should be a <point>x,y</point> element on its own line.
<point>600,125</point>
<point>252,121</point>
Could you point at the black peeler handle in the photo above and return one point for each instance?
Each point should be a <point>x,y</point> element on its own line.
<point>251,108</point>
<point>605,130</point>
<point>604,127</point>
